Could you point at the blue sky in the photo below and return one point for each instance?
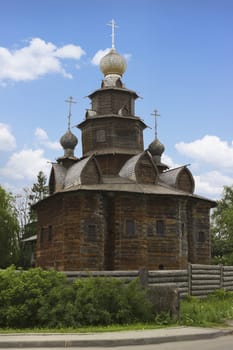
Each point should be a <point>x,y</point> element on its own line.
<point>179,61</point>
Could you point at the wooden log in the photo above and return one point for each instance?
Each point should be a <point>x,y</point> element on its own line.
<point>205,277</point>
<point>205,267</point>
<point>228,273</point>
<point>168,273</point>
<point>228,280</point>
<point>228,268</point>
<point>206,283</point>
<point>227,283</point>
<point>230,288</point>
<point>195,288</point>
<point>167,279</point>
<point>203,293</point>
<point>204,272</point>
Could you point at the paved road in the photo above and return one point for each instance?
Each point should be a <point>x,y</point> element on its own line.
<point>221,343</point>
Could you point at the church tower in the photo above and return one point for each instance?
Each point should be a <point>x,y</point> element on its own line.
<point>111,131</point>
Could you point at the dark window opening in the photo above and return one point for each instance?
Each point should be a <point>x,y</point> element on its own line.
<point>42,231</point>
<point>201,237</point>
<point>161,267</point>
<point>50,233</point>
<point>182,230</point>
<point>150,231</point>
<point>160,227</point>
<point>91,232</point>
<point>130,227</point>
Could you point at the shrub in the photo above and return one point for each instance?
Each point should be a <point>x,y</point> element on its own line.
<point>107,300</point>
<point>24,293</point>
<point>39,298</point>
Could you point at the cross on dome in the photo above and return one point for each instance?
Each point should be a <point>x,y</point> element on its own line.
<point>113,25</point>
<point>70,101</point>
<point>156,114</point>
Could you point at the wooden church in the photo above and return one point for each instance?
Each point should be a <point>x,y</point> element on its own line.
<point>119,207</point>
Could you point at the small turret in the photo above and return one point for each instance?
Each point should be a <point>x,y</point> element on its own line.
<point>68,142</point>
<point>156,148</point>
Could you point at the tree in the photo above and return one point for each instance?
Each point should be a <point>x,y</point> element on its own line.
<point>39,191</point>
<point>9,230</point>
<point>27,217</point>
<point>222,229</point>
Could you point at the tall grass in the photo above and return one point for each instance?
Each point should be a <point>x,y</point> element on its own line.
<point>212,310</point>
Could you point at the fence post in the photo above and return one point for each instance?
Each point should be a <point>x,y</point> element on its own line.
<point>189,270</point>
<point>221,276</point>
<point>143,276</point>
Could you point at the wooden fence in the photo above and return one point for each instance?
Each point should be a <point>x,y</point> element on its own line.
<point>196,280</point>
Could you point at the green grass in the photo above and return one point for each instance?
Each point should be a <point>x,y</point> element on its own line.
<point>94,329</point>
<point>211,311</point>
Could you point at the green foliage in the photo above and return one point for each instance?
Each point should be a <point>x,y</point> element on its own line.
<point>38,298</point>
<point>39,191</point>
<point>222,229</point>
<point>214,309</point>
<point>9,229</point>
<point>107,301</point>
<point>27,218</point>
<point>23,294</point>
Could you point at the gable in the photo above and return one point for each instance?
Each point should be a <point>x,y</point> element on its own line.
<point>179,178</point>
<point>140,169</point>
<point>56,178</point>
<point>86,171</point>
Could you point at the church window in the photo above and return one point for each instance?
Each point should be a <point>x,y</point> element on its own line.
<point>182,230</point>
<point>130,227</point>
<point>91,232</point>
<point>160,227</point>
<point>201,237</point>
<point>42,232</point>
<point>100,135</point>
<point>150,231</point>
<point>50,233</point>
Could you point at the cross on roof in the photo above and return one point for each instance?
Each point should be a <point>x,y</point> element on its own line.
<point>70,101</point>
<point>113,25</point>
<point>156,114</point>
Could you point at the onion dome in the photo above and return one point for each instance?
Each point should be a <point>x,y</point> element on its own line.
<point>156,148</point>
<point>68,142</point>
<point>113,63</point>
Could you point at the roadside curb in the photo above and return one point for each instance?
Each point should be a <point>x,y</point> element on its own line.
<point>91,341</point>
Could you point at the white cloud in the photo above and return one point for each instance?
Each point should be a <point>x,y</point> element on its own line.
<point>25,165</point>
<point>208,150</point>
<point>7,139</point>
<point>35,60</point>
<point>127,56</point>
<point>211,183</point>
<point>70,51</point>
<point>99,54</point>
<point>169,161</point>
<point>43,139</point>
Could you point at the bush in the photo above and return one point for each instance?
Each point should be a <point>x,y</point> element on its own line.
<point>107,300</point>
<point>24,294</point>
<point>38,298</point>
